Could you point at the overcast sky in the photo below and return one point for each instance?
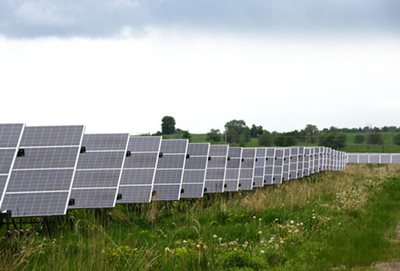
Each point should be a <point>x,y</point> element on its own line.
<point>121,65</point>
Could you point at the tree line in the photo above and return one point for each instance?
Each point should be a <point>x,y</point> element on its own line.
<point>237,132</point>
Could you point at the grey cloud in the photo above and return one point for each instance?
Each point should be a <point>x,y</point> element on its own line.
<point>104,18</point>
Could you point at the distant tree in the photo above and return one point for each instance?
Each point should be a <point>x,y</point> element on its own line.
<point>285,140</point>
<point>167,125</point>
<point>375,138</point>
<point>311,133</point>
<point>179,133</point>
<point>256,131</point>
<point>396,139</point>
<point>265,139</point>
<point>334,140</point>
<point>214,136</point>
<point>236,131</point>
<point>359,139</point>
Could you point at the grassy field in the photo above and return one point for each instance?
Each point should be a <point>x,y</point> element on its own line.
<point>330,221</point>
<point>388,145</point>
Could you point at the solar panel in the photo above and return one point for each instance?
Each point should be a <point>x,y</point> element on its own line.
<point>278,165</point>
<point>269,166</point>
<point>322,159</point>
<point>352,158</point>
<point>215,173</point>
<point>41,179</point>
<point>169,172</point>
<point>386,159</point>
<point>286,164</point>
<point>259,167</point>
<point>374,158</point>
<point>10,136</point>
<point>300,163</point>
<point>246,181</point>
<point>136,185</point>
<point>395,158</point>
<point>317,151</point>
<point>294,152</point>
<point>328,159</point>
<point>312,160</point>
<point>363,158</point>
<point>98,172</point>
<point>232,169</point>
<point>195,170</point>
<point>306,169</point>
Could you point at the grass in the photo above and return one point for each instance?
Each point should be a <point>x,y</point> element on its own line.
<point>342,220</point>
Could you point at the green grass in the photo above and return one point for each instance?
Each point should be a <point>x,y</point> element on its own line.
<point>339,220</point>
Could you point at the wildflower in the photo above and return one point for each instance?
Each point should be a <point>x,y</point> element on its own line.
<point>260,219</point>
<point>281,242</point>
<point>301,223</point>
<point>167,249</point>
<point>262,242</point>
<point>215,236</point>
<point>291,222</point>
<point>184,241</point>
<point>220,239</point>
<point>254,217</point>
<point>290,231</point>
<point>198,246</point>
<point>259,232</point>
<point>262,251</point>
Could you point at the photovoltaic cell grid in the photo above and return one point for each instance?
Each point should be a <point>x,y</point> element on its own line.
<point>41,179</point>
<point>278,165</point>
<point>10,136</point>
<point>306,169</point>
<point>137,180</point>
<point>269,166</point>
<point>300,163</point>
<point>286,164</point>
<point>169,172</point>
<point>246,178</point>
<point>232,169</point>
<point>259,167</point>
<point>216,167</point>
<point>322,159</point>
<point>98,172</point>
<point>316,159</point>
<point>294,152</point>
<point>195,170</point>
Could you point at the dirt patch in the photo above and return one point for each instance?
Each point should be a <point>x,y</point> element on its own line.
<point>393,266</point>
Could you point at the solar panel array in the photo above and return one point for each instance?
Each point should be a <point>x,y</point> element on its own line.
<point>137,181</point>
<point>246,176</point>
<point>41,177</point>
<point>45,170</point>
<point>371,158</point>
<point>194,174</point>
<point>169,172</point>
<point>216,167</point>
<point>233,165</point>
<point>99,169</point>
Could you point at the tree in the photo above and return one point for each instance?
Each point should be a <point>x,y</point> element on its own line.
<point>256,131</point>
<point>265,139</point>
<point>214,136</point>
<point>359,139</point>
<point>375,139</point>
<point>285,140</point>
<point>311,133</point>
<point>333,140</point>
<point>167,125</point>
<point>236,131</point>
<point>396,139</point>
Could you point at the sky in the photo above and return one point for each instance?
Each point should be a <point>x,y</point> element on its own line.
<point>121,65</point>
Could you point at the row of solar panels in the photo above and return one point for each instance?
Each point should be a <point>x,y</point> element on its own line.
<point>46,170</point>
<point>373,158</point>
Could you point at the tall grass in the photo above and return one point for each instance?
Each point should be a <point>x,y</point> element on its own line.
<point>334,219</point>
